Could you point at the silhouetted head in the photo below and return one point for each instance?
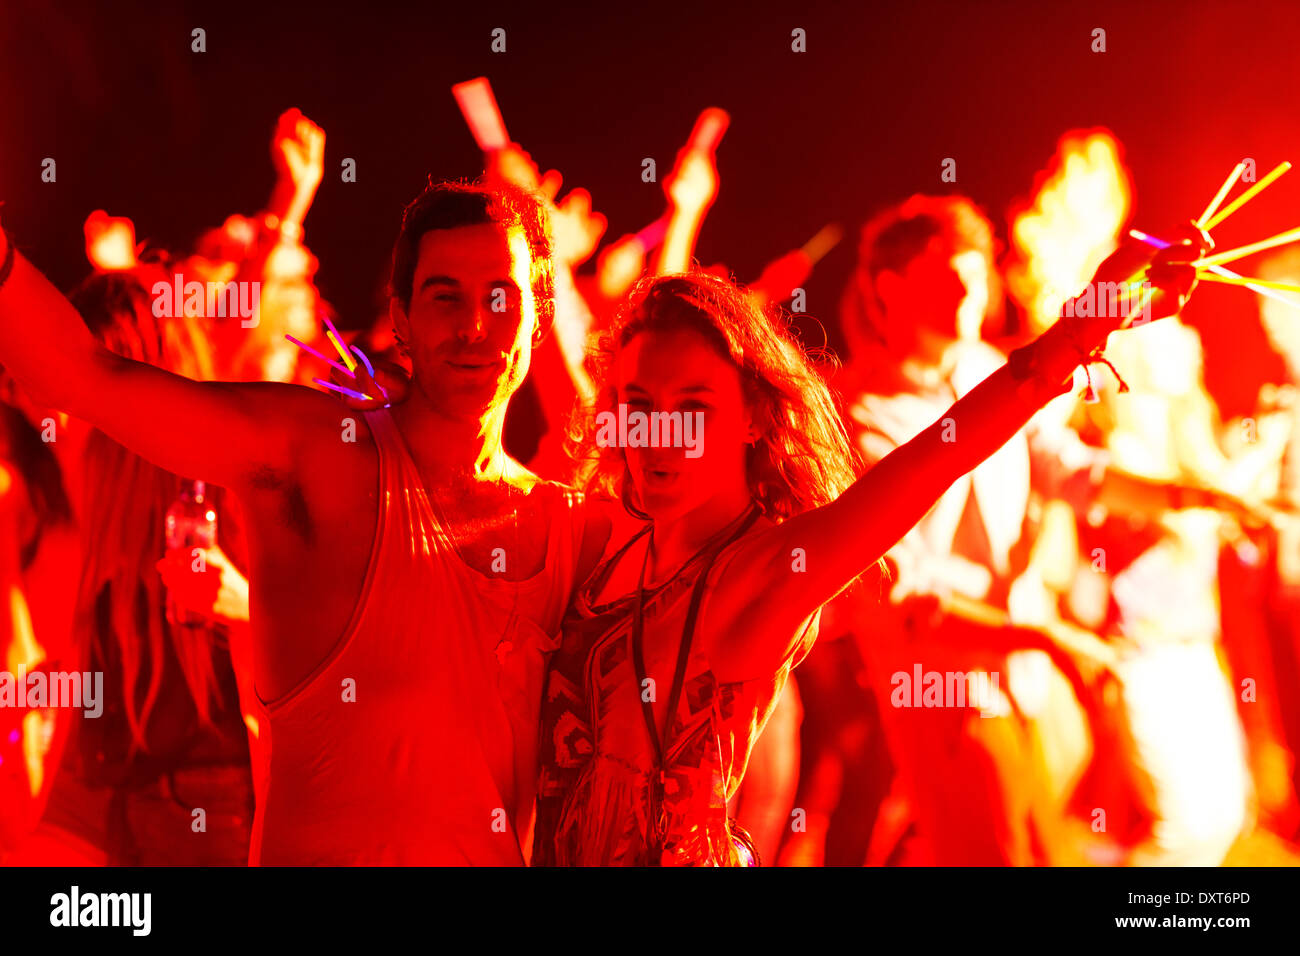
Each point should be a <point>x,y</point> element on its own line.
<point>925,266</point>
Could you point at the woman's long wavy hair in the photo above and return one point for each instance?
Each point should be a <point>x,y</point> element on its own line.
<point>803,457</point>
<point>121,601</point>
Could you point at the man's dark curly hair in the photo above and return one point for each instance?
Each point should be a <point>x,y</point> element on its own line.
<point>448,205</point>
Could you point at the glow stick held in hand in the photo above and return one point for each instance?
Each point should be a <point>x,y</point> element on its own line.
<point>1217,270</point>
<point>333,335</point>
<point>479,107</point>
<point>1247,196</point>
<point>370,369</point>
<point>1241,252</point>
<point>1248,282</point>
<point>1219,196</point>
<point>311,351</point>
<point>1144,299</point>
<point>341,390</point>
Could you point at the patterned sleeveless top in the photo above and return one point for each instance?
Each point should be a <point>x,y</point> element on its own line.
<point>597,758</point>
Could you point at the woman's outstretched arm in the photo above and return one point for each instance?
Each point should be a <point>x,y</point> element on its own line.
<point>785,573</point>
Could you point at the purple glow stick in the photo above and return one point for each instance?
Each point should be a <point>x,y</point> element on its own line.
<point>307,348</point>
<point>364,361</point>
<point>1149,240</point>
<point>344,391</point>
<point>653,234</point>
<point>371,369</point>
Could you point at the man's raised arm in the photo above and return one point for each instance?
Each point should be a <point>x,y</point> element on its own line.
<point>214,430</point>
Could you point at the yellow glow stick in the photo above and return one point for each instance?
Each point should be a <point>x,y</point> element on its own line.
<point>1148,293</point>
<point>1218,197</point>
<point>1247,196</point>
<point>1230,255</point>
<point>1245,280</point>
<point>348,360</point>
<point>332,334</point>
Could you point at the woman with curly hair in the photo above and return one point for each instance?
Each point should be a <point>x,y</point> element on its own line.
<point>675,651</point>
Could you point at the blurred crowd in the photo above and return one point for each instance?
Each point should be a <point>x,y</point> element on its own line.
<point>1117,589</point>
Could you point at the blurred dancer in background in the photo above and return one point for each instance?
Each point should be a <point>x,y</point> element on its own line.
<point>1161,595</point>
<point>38,544</point>
<point>171,738</point>
<point>913,313</point>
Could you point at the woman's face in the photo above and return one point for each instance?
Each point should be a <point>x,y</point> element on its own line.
<point>692,403</point>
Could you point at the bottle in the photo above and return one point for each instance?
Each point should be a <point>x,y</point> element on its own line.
<point>191,523</point>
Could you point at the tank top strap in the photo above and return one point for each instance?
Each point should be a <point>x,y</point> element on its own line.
<point>382,427</point>
<point>567,528</point>
<point>393,459</point>
<point>600,575</point>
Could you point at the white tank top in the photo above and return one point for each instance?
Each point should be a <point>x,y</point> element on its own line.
<point>415,740</point>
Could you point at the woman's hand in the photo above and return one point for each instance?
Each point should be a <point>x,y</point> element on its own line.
<point>1166,274</point>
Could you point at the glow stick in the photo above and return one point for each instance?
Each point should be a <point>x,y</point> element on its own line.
<point>1247,196</point>
<point>311,351</point>
<point>1148,293</point>
<point>479,107</point>
<point>340,389</point>
<point>825,240</point>
<point>1218,197</point>
<point>653,234</point>
<point>334,337</point>
<point>1228,255</point>
<point>1249,282</point>
<point>1149,239</point>
<point>364,361</point>
<point>1217,270</point>
<point>709,129</point>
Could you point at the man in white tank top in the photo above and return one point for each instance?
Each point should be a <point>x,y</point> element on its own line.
<point>406,575</point>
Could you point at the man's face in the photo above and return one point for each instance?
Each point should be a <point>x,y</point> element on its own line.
<point>472,317</point>
<point>942,291</point>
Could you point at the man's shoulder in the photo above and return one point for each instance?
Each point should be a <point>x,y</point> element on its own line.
<point>334,452</point>
<point>590,518</point>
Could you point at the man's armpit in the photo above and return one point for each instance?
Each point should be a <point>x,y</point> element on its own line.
<point>278,495</point>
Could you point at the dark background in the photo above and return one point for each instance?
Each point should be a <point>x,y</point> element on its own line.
<point>142,127</point>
